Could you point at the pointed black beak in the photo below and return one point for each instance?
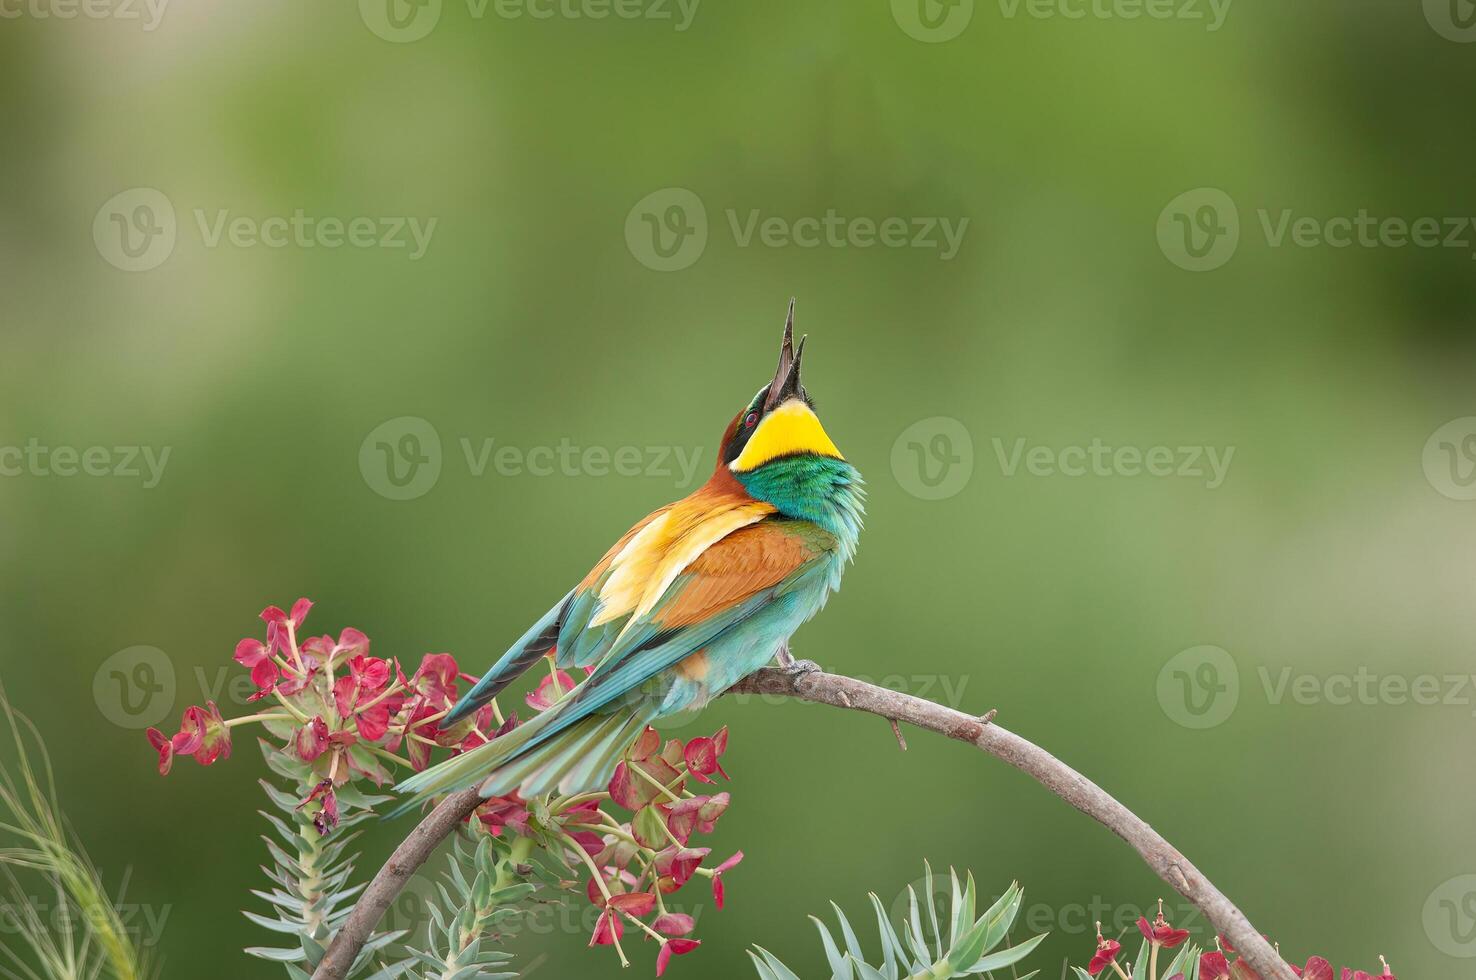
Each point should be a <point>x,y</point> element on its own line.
<point>786,383</point>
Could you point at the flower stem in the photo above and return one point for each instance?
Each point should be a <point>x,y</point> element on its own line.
<point>387,754</point>
<point>599,881</point>
<point>635,768</point>
<point>393,688</point>
<point>264,716</point>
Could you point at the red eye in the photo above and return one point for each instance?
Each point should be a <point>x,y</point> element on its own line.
<point>751,420</point>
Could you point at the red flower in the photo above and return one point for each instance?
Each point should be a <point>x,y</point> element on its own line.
<point>436,679</point>
<point>370,674</point>
<point>312,739</point>
<point>674,924</point>
<point>1214,966</point>
<point>1387,974</point>
<point>702,754</point>
<point>675,867</point>
<point>638,904</point>
<point>165,748</point>
<point>504,811</point>
<point>479,734</point>
<point>422,722</point>
<point>699,814</point>
<point>546,696</point>
<point>1317,968</point>
<point>674,947</point>
<point>360,695</point>
<point>608,930</point>
<point>203,734</point>
<point>278,624</point>
<point>717,877</point>
<point>327,816</point>
<point>1160,933</point>
<point>257,658</point>
<point>318,651</point>
<point>1106,953</point>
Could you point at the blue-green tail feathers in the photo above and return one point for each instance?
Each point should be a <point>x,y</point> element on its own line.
<point>541,637</point>
<point>529,759</point>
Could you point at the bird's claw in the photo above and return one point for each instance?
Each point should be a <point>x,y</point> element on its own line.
<point>800,667</point>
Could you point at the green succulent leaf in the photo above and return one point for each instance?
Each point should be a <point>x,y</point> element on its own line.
<point>968,947</point>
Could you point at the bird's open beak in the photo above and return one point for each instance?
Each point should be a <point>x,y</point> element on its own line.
<point>786,383</point>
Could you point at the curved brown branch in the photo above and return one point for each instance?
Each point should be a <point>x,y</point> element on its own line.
<point>806,682</point>
<point>387,884</point>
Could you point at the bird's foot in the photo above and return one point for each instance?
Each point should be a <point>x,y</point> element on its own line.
<point>800,667</point>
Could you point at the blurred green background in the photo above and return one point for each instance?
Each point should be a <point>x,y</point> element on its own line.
<point>1339,540</point>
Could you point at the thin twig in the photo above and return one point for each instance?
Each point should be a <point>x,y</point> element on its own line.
<point>807,682</point>
<point>897,731</point>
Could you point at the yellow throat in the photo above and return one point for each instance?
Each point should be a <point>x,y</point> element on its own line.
<point>791,428</point>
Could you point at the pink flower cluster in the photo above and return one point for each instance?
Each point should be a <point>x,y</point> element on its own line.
<point>1215,964</point>
<point>348,713</point>
<point>634,863</point>
<point>343,714</point>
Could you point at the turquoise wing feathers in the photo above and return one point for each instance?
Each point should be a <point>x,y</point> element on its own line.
<point>730,607</point>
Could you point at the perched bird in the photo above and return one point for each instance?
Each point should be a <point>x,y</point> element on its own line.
<point>695,597</point>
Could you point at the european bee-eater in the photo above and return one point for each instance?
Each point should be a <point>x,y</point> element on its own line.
<point>695,597</point>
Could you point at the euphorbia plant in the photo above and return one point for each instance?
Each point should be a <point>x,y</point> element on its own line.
<point>340,723</point>
<point>1191,963</point>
